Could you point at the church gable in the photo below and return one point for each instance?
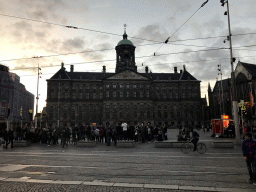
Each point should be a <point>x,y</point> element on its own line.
<point>245,69</point>
<point>128,74</point>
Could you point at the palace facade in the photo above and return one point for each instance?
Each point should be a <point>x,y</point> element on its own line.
<point>75,98</point>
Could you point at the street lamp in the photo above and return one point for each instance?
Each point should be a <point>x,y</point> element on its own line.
<point>38,76</point>
<point>232,60</point>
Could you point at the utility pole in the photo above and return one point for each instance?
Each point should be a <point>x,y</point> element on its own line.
<point>232,60</point>
<point>38,76</point>
<point>220,73</point>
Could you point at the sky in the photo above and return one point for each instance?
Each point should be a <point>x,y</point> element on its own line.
<point>33,33</point>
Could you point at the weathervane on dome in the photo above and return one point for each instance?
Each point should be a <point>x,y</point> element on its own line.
<point>125,28</point>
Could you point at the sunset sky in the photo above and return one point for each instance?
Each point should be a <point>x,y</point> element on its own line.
<point>36,28</point>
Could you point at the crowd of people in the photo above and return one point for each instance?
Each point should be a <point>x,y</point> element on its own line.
<point>70,135</point>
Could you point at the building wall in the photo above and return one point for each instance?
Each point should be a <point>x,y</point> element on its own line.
<point>14,94</point>
<point>113,101</point>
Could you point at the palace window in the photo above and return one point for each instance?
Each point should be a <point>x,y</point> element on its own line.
<point>148,114</point>
<point>164,95</point>
<point>87,95</point>
<point>170,95</point>
<point>165,115</point>
<point>159,114</point>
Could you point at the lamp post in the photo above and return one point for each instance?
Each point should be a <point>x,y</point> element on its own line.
<point>232,60</point>
<point>38,76</point>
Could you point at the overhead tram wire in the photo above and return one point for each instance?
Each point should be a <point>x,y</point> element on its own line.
<point>72,27</point>
<point>166,41</point>
<point>149,65</point>
<point>100,61</point>
<point>170,42</point>
<point>56,55</point>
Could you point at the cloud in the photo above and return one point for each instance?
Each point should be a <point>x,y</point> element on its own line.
<point>182,6</point>
<point>74,44</point>
<point>42,10</point>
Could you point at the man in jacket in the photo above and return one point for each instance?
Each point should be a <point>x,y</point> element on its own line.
<point>248,148</point>
<point>195,139</point>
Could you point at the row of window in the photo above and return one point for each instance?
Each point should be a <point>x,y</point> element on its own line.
<point>135,114</point>
<point>122,86</point>
<point>122,94</point>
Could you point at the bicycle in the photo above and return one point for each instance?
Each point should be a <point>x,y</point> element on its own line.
<point>188,146</point>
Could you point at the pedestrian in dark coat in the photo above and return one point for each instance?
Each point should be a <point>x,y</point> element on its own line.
<point>65,136</point>
<point>249,147</point>
<point>108,135</point>
<point>6,139</point>
<point>114,136</point>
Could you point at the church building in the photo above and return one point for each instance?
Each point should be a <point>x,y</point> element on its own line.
<point>75,98</point>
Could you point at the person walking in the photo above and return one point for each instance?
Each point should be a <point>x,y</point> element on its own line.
<point>101,134</point>
<point>248,148</point>
<point>108,135</point>
<point>125,128</point>
<point>6,138</point>
<point>65,136</point>
<point>114,136</point>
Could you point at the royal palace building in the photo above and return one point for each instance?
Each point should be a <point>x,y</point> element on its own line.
<point>75,98</point>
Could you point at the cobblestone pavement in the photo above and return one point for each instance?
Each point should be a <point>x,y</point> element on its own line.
<point>34,187</point>
<point>104,168</point>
